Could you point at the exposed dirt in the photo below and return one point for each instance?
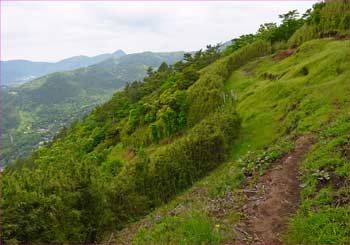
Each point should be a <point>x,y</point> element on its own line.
<point>284,54</point>
<point>125,236</point>
<point>128,154</point>
<point>274,199</point>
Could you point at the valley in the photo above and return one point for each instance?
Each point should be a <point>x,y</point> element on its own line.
<point>36,111</point>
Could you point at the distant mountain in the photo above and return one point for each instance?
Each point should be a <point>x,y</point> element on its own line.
<point>35,111</point>
<point>15,72</point>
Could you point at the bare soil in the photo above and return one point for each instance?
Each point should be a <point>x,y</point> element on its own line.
<point>284,54</point>
<point>274,199</point>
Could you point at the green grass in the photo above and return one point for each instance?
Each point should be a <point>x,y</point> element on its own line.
<point>301,102</point>
<point>313,103</point>
<point>191,228</point>
<point>324,214</point>
<point>306,93</point>
<point>326,226</point>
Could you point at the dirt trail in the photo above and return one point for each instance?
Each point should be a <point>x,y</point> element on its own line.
<point>275,198</point>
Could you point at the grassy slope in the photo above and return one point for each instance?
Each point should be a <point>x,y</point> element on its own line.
<point>306,93</point>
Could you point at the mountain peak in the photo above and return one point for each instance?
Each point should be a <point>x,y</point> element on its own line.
<point>119,53</point>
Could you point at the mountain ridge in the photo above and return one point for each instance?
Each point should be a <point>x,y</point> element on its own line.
<point>18,71</point>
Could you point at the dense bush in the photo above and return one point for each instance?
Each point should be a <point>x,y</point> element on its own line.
<point>80,185</point>
<point>206,95</point>
<point>180,164</point>
<point>327,19</point>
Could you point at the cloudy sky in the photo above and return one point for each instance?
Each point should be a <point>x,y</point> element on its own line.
<point>50,31</point>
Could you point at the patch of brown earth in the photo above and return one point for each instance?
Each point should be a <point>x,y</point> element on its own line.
<point>283,54</point>
<point>128,154</point>
<point>124,236</point>
<point>274,199</point>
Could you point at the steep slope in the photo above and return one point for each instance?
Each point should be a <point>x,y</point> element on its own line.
<point>115,156</point>
<point>183,157</point>
<point>16,72</point>
<point>36,111</point>
<point>279,101</point>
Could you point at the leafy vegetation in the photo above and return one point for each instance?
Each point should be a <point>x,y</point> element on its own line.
<point>330,19</point>
<point>255,163</point>
<point>273,113</point>
<point>270,32</point>
<point>115,157</point>
<point>179,146</point>
<point>36,111</point>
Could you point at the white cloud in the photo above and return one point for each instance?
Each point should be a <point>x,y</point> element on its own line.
<point>57,30</point>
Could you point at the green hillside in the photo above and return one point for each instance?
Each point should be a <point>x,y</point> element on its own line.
<point>192,154</point>
<point>277,103</point>
<point>35,111</point>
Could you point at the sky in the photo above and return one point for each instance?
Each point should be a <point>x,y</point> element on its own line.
<point>51,31</point>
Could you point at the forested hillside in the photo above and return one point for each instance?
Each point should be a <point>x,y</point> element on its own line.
<point>35,111</point>
<point>194,151</point>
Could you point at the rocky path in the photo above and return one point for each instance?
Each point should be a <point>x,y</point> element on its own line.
<point>274,200</point>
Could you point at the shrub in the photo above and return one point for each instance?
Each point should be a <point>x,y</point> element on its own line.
<point>206,95</point>
<point>178,165</point>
